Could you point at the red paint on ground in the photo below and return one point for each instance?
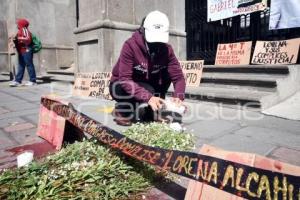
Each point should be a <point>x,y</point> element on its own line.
<point>40,149</point>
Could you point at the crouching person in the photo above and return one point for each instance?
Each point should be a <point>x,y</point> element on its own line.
<point>144,71</point>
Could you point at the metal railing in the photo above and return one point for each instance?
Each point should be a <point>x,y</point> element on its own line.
<point>203,37</point>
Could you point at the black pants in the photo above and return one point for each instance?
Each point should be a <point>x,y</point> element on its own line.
<point>132,108</point>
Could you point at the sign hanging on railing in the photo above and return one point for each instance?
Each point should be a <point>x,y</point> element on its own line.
<point>233,54</point>
<point>222,9</point>
<point>276,52</point>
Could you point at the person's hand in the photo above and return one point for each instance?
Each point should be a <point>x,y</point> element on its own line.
<point>177,101</point>
<point>156,103</point>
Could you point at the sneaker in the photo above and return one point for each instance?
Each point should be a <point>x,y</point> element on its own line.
<point>14,84</point>
<point>29,83</point>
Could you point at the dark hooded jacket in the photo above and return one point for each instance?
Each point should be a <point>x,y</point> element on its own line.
<point>135,64</point>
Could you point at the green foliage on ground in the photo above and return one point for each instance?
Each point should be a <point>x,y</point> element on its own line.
<point>87,170</point>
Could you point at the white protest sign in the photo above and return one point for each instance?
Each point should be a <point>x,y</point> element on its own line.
<point>276,52</point>
<point>93,84</point>
<point>192,71</point>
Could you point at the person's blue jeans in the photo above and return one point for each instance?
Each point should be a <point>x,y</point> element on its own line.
<point>26,60</point>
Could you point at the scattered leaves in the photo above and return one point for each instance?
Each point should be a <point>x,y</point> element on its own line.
<point>87,170</point>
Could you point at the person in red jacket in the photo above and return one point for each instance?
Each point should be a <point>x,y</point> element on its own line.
<point>23,43</point>
<point>144,71</point>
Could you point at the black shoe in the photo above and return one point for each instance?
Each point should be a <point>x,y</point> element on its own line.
<point>121,120</point>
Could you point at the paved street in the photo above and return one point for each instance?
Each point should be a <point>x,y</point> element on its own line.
<point>227,128</point>
<point>19,110</point>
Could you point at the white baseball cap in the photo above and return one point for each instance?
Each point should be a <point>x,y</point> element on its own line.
<point>156,26</point>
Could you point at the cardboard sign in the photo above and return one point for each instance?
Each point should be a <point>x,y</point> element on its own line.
<point>92,85</point>
<point>192,71</point>
<point>51,126</point>
<point>233,54</point>
<point>198,190</point>
<point>276,52</point>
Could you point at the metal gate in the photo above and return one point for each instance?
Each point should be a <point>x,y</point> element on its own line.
<point>203,37</point>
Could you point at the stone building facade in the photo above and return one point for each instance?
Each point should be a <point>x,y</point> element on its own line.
<point>53,21</point>
<point>104,25</point>
<point>88,32</point>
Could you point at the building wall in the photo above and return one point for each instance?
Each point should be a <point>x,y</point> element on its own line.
<point>53,21</point>
<point>104,25</point>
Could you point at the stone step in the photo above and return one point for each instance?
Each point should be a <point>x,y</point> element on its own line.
<point>60,72</point>
<point>239,87</point>
<point>241,79</point>
<point>249,69</point>
<point>44,78</point>
<point>62,78</point>
<point>229,96</point>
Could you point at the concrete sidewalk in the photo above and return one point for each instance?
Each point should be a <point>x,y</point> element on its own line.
<point>226,128</point>
<point>19,109</point>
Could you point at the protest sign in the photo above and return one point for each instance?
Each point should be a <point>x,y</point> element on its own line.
<point>234,177</point>
<point>51,126</point>
<point>92,85</point>
<point>198,190</point>
<point>276,52</point>
<point>192,71</point>
<point>233,53</point>
<point>222,9</point>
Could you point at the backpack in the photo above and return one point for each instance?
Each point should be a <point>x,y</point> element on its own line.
<point>36,43</point>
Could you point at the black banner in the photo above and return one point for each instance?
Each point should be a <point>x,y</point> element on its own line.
<point>246,3</point>
<point>241,180</point>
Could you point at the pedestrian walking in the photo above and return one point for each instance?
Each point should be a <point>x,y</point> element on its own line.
<point>24,46</point>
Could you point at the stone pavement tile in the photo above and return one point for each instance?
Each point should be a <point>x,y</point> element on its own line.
<point>32,118</point>
<point>212,128</point>
<point>6,157</point>
<point>241,143</point>
<point>200,111</point>
<point>12,103</point>
<point>3,110</point>
<point>23,106</point>
<point>10,121</point>
<point>286,155</point>
<point>32,98</point>
<point>211,111</point>
<point>19,127</point>
<point>6,141</point>
<point>168,191</point>
<point>26,137</point>
<point>271,136</point>
<point>20,113</point>
<point>199,143</point>
<point>291,126</point>
<point>7,97</point>
<point>8,162</point>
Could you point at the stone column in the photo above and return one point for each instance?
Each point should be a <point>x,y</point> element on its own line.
<point>104,25</point>
<point>52,21</point>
